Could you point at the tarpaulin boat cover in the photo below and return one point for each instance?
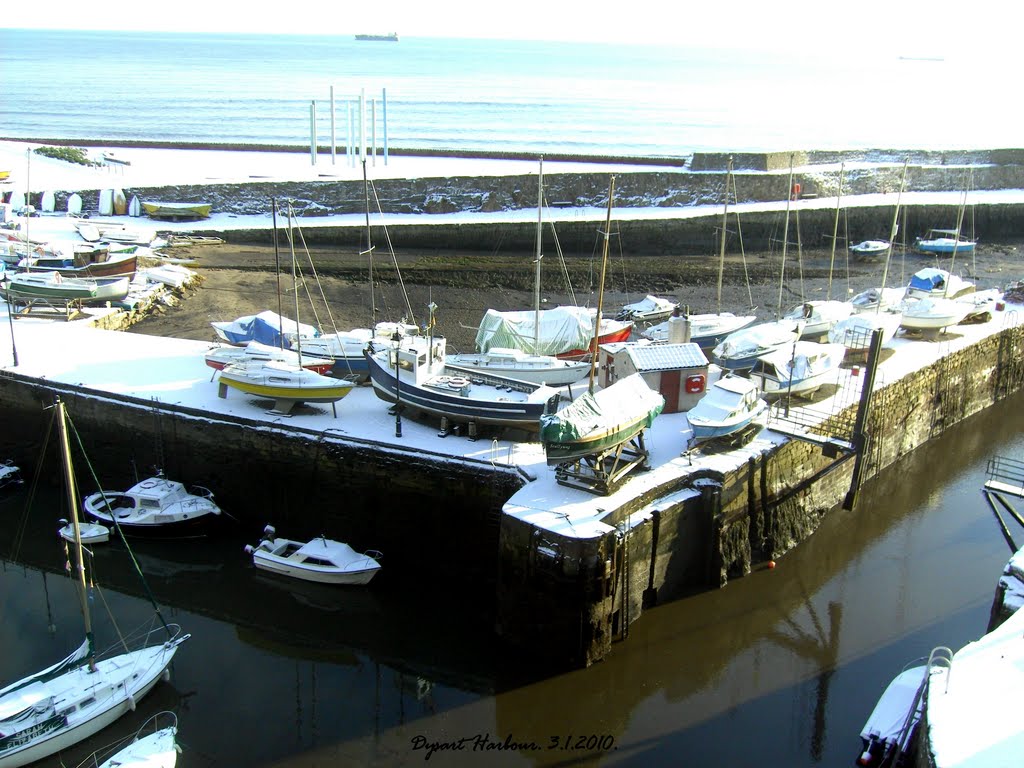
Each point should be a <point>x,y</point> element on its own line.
<point>620,403</point>
<point>562,329</point>
<point>265,328</point>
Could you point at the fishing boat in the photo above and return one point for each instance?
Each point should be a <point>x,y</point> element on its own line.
<point>220,356</point>
<point>740,350</point>
<point>161,210</point>
<point>517,364</point>
<point>801,370</point>
<point>155,506</point>
<point>944,241</point>
<point>730,406</point>
<point>51,710</point>
<point>870,249</point>
<point>10,474</point>
<point>413,373</point>
<point>651,309</point>
<point>321,559</point>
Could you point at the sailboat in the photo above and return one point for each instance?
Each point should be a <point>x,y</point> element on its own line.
<point>567,332</point>
<point>286,384</point>
<point>874,309</point>
<point>708,330</point>
<point>348,348</point>
<point>77,697</point>
<point>596,423</point>
<point>517,363</point>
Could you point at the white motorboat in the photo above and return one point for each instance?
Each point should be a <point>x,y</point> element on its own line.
<point>58,707</point>
<point>10,474</point>
<point>800,370</point>
<point>868,301</point>
<point>707,330</point>
<point>944,241</point>
<point>855,332</point>
<point>155,506</point>
<point>650,309</point>
<point>730,405</point>
<point>932,314</point>
<point>891,727</point>
<point>741,349</point>
<point>91,533</point>
<point>937,283</point>
<point>870,249</point>
<point>517,364</point>
<point>818,317</point>
<point>321,559</point>
<point>158,749</point>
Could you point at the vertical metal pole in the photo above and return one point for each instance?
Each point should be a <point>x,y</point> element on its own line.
<point>312,133</point>
<point>334,143</point>
<point>384,109</point>
<point>362,125</point>
<point>859,438</point>
<point>373,130</point>
<point>349,149</point>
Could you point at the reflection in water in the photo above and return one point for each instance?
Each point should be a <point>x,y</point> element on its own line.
<point>779,668</point>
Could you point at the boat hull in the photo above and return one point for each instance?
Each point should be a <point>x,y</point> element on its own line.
<point>611,337</point>
<point>268,562</point>
<point>157,210</point>
<point>593,444</point>
<point>326,394</point>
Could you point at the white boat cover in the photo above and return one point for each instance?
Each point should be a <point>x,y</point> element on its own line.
<point>266,327</point>
<point>561,329</point>
<point>620,403</point>
<point>648,305</point>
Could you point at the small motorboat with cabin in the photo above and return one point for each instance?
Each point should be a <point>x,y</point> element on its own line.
<point>798,370</point>
<point>870,249</point>
<point>155,506</point>
<point>650,309</point>
<point>730,405</point>
<point>937,283</point>
<point>855,332</point>
<point>931,313</point>
<point>739,350</point>
<point>322,560</point>
<point>888,734</point>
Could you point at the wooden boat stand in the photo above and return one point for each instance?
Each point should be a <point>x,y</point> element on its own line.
<point>601,473</point>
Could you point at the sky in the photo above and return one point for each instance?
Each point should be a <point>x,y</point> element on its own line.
<point>747,23</point>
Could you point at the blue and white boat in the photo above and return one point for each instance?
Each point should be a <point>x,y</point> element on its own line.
<point>740,350</point>
<point>266,327</point>
<point>729,406</point>
<point>944,241</point>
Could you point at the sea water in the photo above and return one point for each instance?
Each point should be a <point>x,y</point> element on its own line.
<point>488,95</point>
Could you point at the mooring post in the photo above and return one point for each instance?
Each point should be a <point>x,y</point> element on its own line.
<point>859,438</point>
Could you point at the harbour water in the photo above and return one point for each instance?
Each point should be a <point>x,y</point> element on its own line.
<point>779,668</point>
<point>491,95</point>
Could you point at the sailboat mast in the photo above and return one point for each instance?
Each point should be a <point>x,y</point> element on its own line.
<point>295,286</point>
<point>600,293</point>
<point>277,272</point>
<point>785,240</point>
<point>835,227</point>
<point>536,278</point>
<point>71,488</point>
<point>369,248</point>
<point>721,237</point>
<point>892,235</point>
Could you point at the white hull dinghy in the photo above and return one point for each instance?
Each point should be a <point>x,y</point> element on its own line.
<point>91,533</point>
<point>321,559</point>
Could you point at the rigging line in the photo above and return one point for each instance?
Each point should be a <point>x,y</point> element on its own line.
<point>131,555</point>
<point>565,267</point>
<point>19,536</point>
<point>319,285</point>
<point>394,257</point>
<point>743,253</point>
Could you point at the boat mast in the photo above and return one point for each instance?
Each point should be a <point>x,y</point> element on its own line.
<point>369,248</point>
<point>295,287</point>
<point>835,228</point>
<point>892,235</point>
<point>277,272</point>
<point>721,236</point>
<point>956,239</point>
<point>600,293</point>
<point>785,240</point>
<point>536,278</point>
<point>71,488</point>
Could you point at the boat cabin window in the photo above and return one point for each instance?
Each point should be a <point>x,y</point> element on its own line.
<point>318,561</point>
<point>149,504</point>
